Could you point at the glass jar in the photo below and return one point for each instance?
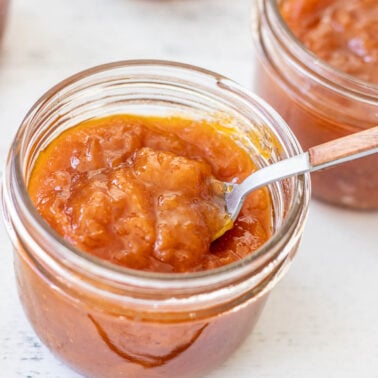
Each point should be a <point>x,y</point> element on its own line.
<point>319,103</point>
<point>3,15</point>
<point>108,321</point>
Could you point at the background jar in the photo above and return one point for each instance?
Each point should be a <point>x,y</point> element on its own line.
<point>319,103</point>
<point>3,15</point>
<point>108,321</point>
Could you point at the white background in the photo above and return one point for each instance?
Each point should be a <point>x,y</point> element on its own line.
<point>322,319</point>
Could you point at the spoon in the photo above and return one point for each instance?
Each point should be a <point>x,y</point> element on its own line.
<point>319,157</point>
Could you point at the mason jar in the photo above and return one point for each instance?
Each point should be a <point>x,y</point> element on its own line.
<point>105,320</point>
<point>318,102</point>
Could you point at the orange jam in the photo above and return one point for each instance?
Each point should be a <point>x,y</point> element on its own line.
<point>139,192</point>
<point>343,33</point>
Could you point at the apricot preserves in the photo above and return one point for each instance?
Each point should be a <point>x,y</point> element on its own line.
<point>343,33</point>
<point>139,192</point>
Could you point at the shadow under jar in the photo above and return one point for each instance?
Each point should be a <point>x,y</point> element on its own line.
<point>318,101</point>
<point>108,321</point>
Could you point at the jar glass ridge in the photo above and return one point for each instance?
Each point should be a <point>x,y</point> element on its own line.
<point>179,316</point>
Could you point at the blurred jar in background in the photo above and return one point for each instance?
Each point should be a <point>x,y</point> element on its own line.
<point>317,67</point>
<point>3,15</point>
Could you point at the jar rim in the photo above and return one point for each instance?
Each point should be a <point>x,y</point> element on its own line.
<point>321,68</point>
<point>98,267</point>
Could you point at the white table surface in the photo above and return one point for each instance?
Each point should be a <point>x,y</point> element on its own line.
<point>322,319</point>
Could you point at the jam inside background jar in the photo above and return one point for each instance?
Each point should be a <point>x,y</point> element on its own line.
<point>319,102</point>
<point>104,320</point>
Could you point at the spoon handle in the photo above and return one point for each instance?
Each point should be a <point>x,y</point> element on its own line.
<point>316,158</point>
<point>344,149</point>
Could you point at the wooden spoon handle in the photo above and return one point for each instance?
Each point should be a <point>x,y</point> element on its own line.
<point>344,149</point>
